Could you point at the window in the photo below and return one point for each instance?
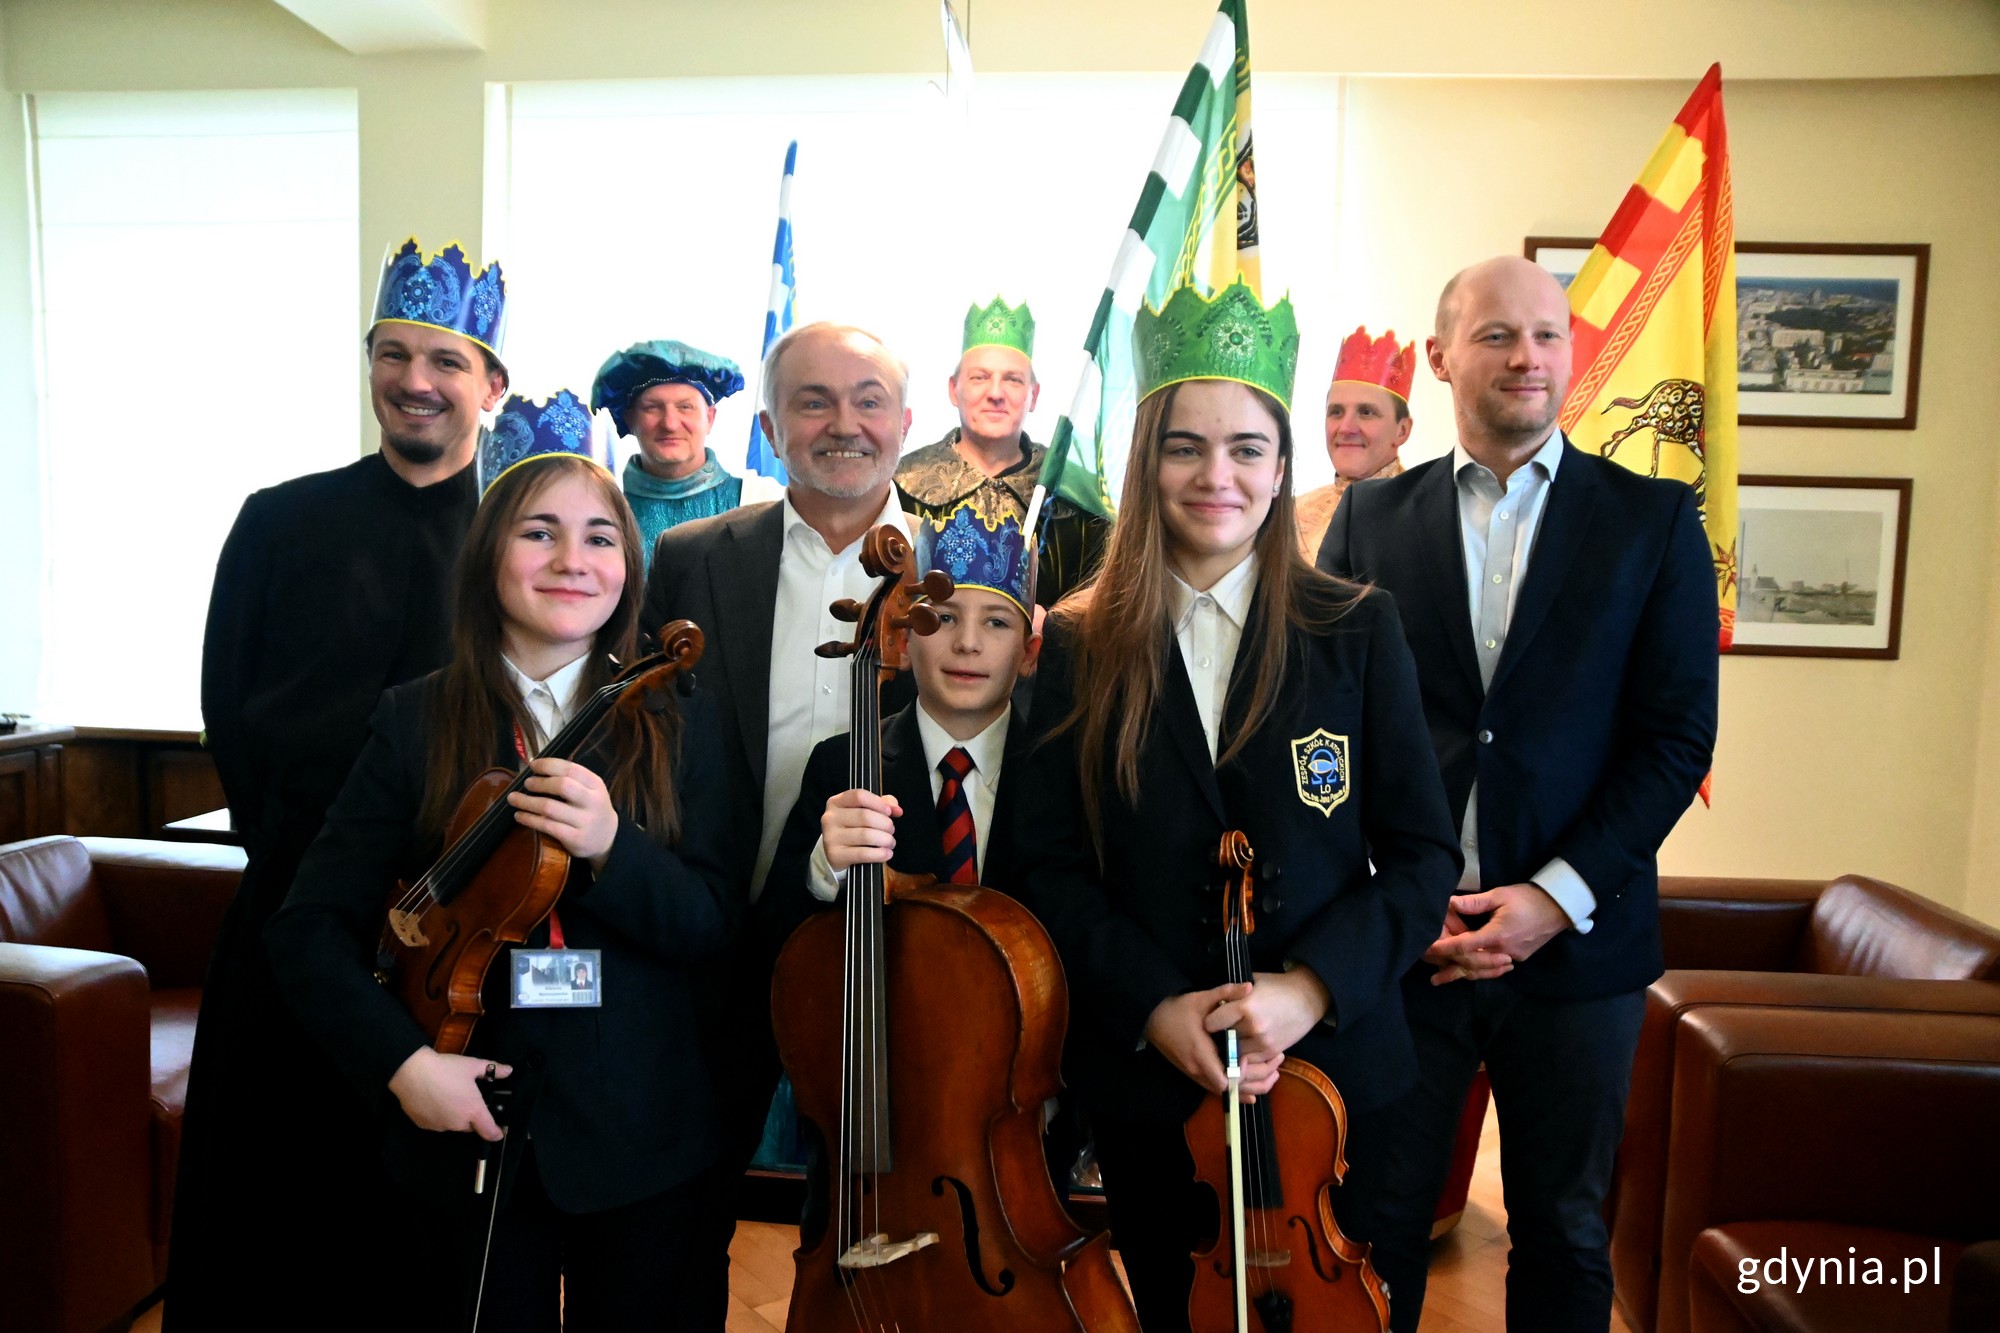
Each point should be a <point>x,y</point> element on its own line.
<point>199,262</point>
<point>625,211</point>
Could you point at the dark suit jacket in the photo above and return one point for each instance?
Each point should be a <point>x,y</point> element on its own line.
<point>906,774</point>
<point>617,1104</point>
<point>1146,925</point>
<point>1600,721</point>
<point>722,573</point>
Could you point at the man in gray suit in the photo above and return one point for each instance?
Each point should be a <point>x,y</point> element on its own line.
<point>759,580</point>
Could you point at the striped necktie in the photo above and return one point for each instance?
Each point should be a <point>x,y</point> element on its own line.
<point>954,812</point>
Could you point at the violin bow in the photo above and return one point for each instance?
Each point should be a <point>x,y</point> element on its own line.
<point>497,1098</point>
<point>1234,1124</point>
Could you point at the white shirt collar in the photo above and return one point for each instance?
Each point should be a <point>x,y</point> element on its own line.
<point>987,749</point>
<point>1546,456</point>
<point>795,525</point>
<point>1231,594</point>
<point>561,685</point>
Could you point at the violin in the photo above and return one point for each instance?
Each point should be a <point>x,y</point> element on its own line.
<point>496,881</point>
<point>1280,1262</point>
<point>922,1026</point>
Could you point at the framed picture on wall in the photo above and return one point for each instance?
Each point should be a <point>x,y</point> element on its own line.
<point>1826,335</point>
<point>1820,566</point>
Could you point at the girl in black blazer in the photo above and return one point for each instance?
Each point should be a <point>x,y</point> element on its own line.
<point>599,1191</point>
<point>1207,680</point>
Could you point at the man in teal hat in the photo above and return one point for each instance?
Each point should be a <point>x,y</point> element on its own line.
<point>663,394</point>
<point>988,462</point>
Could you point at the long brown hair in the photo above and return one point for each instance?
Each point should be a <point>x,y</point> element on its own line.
<point>1121,622</point>
<point>473,699</point>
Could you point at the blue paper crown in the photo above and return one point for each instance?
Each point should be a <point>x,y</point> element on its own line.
<point>527,430</point>
<point>442,292</point>
<point>979,554</point>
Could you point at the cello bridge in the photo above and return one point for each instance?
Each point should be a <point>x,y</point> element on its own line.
<point>878,1250</point>
<point>1267,1258</point>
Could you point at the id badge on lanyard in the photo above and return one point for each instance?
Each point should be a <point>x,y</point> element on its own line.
<point>555,977</point>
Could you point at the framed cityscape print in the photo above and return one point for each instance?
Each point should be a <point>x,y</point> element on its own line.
<point>1820,565</point>
<point>1826,335</point>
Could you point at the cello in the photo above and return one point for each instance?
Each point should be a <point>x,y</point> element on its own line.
<point>496,881</point>
<point>922,1025</point>
<point>1280,1261</point>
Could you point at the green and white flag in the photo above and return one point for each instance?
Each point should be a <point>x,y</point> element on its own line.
<point>1195,224</point>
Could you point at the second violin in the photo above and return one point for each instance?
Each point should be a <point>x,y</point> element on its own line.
<point>1281,1262</point>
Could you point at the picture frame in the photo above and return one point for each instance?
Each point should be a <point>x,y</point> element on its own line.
<point>1827,335</point>
<point>1814,557</point>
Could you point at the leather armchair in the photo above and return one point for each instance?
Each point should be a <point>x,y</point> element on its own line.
<point>1842,1135</point>
<point>1856,944</point>
<point>103,947</point>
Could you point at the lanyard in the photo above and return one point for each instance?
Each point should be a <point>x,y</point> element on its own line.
<point>555,921</point>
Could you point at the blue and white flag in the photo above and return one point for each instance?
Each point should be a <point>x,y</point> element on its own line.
<point>762,458</point>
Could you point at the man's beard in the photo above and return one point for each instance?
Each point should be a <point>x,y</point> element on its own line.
<point>422,453</point>
<point>812,480</point>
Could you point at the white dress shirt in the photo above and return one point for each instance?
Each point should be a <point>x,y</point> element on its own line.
<point>1497,526</point>
<point>810,696</point>
<point>1208,627</point>
<point>551,702</point>
<point>981,786</point>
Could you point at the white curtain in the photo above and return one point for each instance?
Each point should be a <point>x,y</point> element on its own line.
<point>198,276</point>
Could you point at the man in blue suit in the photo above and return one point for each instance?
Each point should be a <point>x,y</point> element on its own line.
<point>1563,617</point>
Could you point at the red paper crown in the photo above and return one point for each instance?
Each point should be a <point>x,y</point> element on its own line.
<point>1377,362</point>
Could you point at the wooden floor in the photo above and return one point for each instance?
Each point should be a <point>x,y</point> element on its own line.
<point>1467,1291</point>
<point>1467,1286</point>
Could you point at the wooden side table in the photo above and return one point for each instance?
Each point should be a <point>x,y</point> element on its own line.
<point>31,789</point>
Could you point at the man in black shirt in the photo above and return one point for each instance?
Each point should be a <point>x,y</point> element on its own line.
<point>331,588</point>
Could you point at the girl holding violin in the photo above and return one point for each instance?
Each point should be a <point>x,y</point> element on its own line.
<point>595,1200</point>
<point>1207,681</point>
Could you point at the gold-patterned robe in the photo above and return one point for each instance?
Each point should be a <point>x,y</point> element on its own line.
<point>1314,509</point>
<point>935,480</point>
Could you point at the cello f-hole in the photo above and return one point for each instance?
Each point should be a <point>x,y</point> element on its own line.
<point>969,1224</point>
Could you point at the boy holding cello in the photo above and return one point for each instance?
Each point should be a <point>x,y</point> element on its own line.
<point>942,756</point>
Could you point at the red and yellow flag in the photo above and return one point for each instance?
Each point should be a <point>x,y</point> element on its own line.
<point>1653,317</point>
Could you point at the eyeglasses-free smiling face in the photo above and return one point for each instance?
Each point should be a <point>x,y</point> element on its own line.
<point>428,388</point>
<point>1504,347</point>
<point>839,420</point>
<point>561,572</point>
<point>1362,433</point>
<point>1220,467</point>
<point>994,390</point>
<point>967,669</point>
<point>671,423</point>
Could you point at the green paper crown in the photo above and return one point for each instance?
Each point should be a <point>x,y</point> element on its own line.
<point>1000,325</point>
<point>1231,337</point>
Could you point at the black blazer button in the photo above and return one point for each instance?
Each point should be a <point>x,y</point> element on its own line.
<point>1272,904</point>
<point>1214,947</point>
<point>1485,737</point>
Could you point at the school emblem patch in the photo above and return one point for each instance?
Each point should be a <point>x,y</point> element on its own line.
<point>1319,763</point>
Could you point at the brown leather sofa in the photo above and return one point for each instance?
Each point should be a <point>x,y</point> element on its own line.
<point>1810,1135</point>
<point>1856,944</point>
<point>103,946</point>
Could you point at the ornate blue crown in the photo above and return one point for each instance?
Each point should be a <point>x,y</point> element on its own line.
<point>978,553</point>
<point>442,292</point>
<point>526,430</point>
